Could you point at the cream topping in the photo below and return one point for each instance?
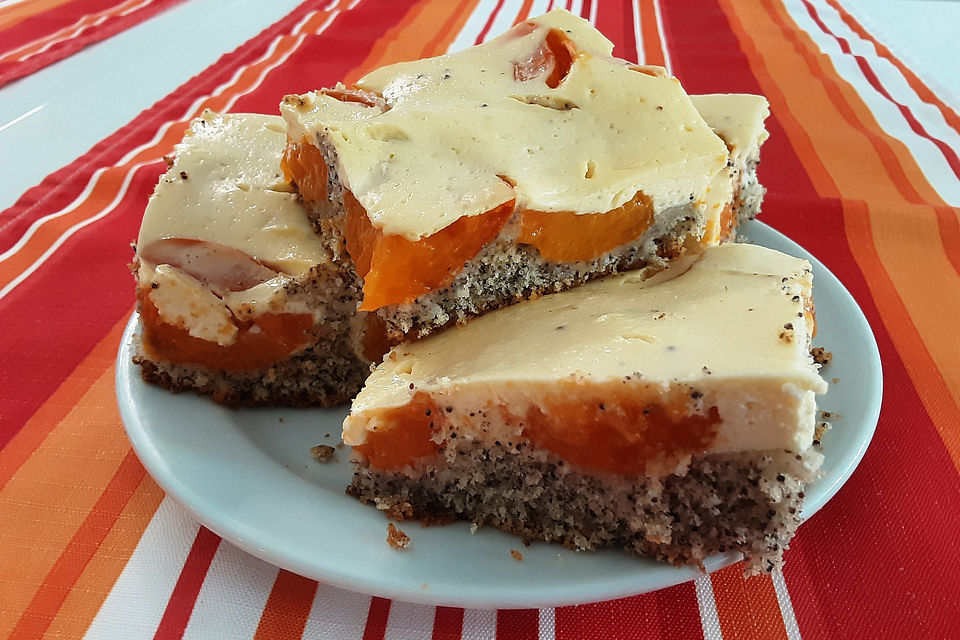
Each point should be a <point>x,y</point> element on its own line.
<point>730,331</point>
<point>183,301</point>
<point>225,186</point>
<point>737,118</point>
<point>459,121</point>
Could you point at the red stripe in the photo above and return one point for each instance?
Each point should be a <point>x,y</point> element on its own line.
<point>63,311</point>
<point>668,613</point>
<point>10,71</point>
<point>518,624</point>
<point>585,9</point>
<point>42,24</point>
<point>377,616</point>
<point>321,60</point>
<point>184,596</point>
<point>447,623</point>
<point>489,23</point>
<point>615,20</point>
<point>948,153</point>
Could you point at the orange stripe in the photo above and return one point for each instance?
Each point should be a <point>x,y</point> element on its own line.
<point>827,145</point>
<point>17,13</point>
<point>31,47</point>
<point>56,407</point>
<point>447,33</point>
<point>901,233</point>
<point>747,607</point>
<point>98,577</point>
<point>523,13</point>
<point>84,544</point>
<point>287,608</point>
<point>922,90</point>
<point>54,491</point>
<point>108,184</point>
<point>652,46</point>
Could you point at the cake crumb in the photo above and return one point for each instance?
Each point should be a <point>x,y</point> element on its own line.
<point>821,356</point>
<point>281,420</point>
<point>516,555</point>
<point>396,538</point>
<point>835,380</point>
<point>786,334</point>
<point>322,452</point>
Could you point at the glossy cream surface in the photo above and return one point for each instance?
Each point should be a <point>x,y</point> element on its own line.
<point>457,125</point>
<point>225,186</point>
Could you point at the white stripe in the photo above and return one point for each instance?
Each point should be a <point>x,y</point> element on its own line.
<point>479,624</point>
<point>593,12</point>
<point>72,230</point>
<point>663,36</point>
<point>409,621</point>
<point>576,6</point>
<point>136,603</point>
<point>33,267</point>
<point>892,79</point>
<point>336,614</point>
<point>548,623</point>
<point>232,597</point>
<point>473,26</point>
<point>504,20</point>
<point>927,155</point>
<point>22,116</point>
<point>538,8</point>
<point>709,619</point>
<point>40,221</point>
<point>638,32</point>
<point>786,607</point>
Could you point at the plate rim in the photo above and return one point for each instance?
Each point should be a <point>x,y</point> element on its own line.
<point>228,527</point>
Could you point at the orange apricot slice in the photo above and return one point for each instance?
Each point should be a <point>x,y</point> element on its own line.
<point>269,339</point>
<point>564,236</point>
<point>618,435</point>
<point>303,165</point>
<point>396,270</point>
<point>621,435</point>
<point>408,437</point>
<point>552,58</point>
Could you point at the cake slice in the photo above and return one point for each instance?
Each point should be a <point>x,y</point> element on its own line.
<point>526,165</point>
<point>238,297</point>
<point>671,417</point>
<point>737,118</point>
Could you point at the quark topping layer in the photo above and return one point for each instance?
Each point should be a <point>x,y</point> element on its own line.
<point>730,331</point>
<point>459,130</point>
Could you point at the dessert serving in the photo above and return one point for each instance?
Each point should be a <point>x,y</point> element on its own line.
<point>661,399</point>
<point>525,165</point>
<point>672,417</point>
<point>238,298</point>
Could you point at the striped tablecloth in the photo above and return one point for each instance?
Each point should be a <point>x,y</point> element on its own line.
<point>862,169</point>
<point>36,33</point>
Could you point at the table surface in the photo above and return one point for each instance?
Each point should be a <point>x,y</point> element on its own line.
<point>106,85</point>
<point>862,169</point>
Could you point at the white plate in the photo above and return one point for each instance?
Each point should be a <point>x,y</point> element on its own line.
<point>248,476</point>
